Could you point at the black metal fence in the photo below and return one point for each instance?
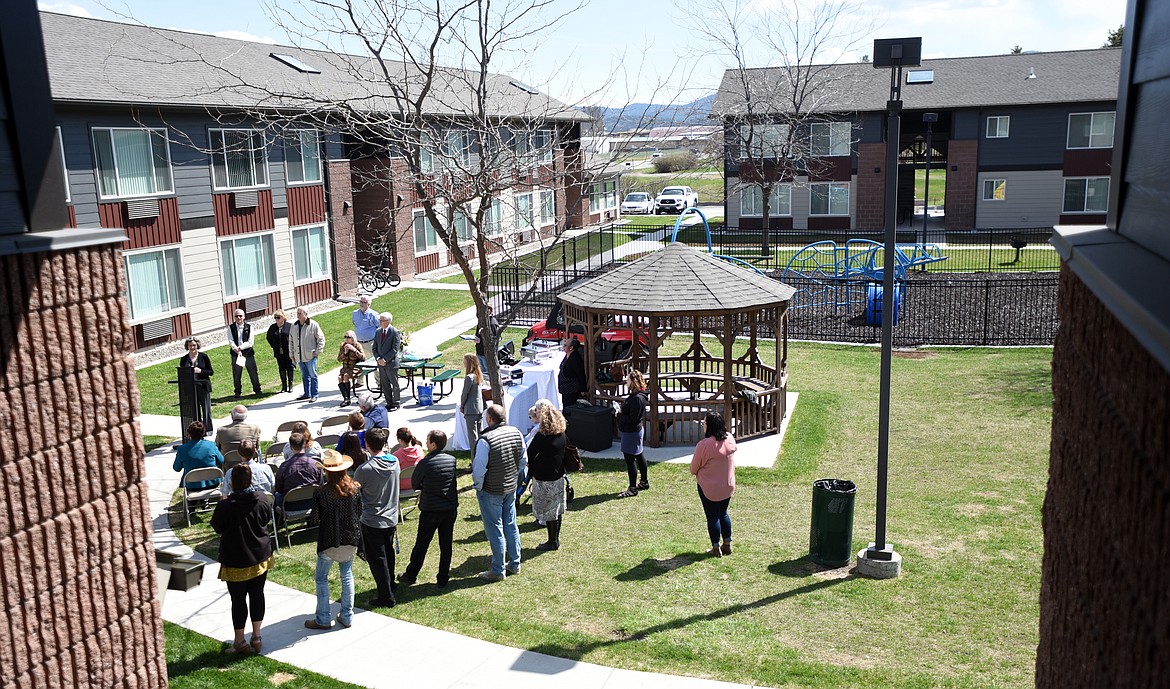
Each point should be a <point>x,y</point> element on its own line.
<point>984,304</point>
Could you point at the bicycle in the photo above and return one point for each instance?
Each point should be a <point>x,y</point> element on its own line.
<point>374,279</point>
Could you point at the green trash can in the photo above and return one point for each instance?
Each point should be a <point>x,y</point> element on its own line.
<point>830,538</point>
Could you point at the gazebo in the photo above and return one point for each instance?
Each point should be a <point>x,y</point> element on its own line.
<point>684,293</point>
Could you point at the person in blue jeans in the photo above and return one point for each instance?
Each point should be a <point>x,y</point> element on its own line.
<point>500,457</point>
<point>306,342</point>
<point>338,506</point>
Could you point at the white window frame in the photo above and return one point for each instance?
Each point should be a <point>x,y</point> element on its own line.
<point>466,234</point>
<point>222,153</point>
<point>829,199</point>
<point>493,218</point>
<point>1001,128</point>
<point>418,215</point>
<point>300,143</point>
<point>603,196</point>
<point>457,148</point>
<point>524,221</point>
<point>1085,209</point>
<point>64,167</point>
<point>754,197</point>
<point>765,140</point>
<point>223,268</point>
<point>992,184</point>
<point>174,310</point>
<point>1092,119</point>
<point>170,178</point>
<point>836,132</point>
<point>327,272</point>
<point>548,201</point>
<point>543,141</point>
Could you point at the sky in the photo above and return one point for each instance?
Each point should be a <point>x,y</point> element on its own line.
<point>615,52</point>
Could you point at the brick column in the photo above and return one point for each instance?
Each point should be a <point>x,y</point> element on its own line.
<point>871,186</point>
<point>962,184</point>
<point>341,222</point>
<point>78,574</point>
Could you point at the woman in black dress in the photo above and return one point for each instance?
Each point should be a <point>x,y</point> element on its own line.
<point>546,467</point>
<point>278,334</point>
<point>572,382</point>
<point>203,372</point>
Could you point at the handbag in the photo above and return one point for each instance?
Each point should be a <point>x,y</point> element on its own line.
<point>572,459</point>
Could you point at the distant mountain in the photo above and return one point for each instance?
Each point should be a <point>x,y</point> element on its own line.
<point>647,115</point>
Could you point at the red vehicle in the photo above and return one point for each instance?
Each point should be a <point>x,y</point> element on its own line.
<point>612,344</point>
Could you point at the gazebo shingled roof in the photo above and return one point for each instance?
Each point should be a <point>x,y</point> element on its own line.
<point>679,279</point>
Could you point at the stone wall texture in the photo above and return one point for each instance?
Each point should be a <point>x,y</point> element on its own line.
<point>77,571</point>
<point>1104,599</point>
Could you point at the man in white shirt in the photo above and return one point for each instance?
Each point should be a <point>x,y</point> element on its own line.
<point>243,349</point>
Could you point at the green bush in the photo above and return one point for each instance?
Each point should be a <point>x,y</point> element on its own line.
<point>675,161</point>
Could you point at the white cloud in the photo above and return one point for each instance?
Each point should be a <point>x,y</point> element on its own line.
<point>65,8</point>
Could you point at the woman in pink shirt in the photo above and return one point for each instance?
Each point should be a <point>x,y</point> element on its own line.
<point>409,454</point>
<point>713,464</point>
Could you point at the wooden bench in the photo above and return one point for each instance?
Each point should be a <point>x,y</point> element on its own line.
<point>442,382</point>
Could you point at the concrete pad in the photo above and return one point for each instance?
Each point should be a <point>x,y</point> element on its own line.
<point>518,669</point>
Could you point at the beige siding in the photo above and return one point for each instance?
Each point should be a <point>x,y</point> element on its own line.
<point>1031,199</point>
<point>203,279</point>
<point>285,275</point>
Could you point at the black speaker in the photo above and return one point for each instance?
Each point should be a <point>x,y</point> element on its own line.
<point>590,428</point>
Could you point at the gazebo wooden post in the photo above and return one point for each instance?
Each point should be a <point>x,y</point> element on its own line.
<point>728,382</point>
<point>652,344</point>
<point>697,345</point>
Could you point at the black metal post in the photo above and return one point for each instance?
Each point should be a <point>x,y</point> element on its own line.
<point>929,118</point>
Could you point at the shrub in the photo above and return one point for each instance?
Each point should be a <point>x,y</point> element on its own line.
<point>675,161</point>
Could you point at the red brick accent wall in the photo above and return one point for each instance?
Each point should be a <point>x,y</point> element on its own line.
<point>230,220</point>
<point>962,184</point>
<point>144,232</point>
<point>78,575</point>
<point>377,184</point>
<point>341,222</point>
<point>1104,603</point>
<point>306,205</point>
<point>871,186</point>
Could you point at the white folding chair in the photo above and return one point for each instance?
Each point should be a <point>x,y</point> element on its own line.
<point>274,451</point>
<point>406,494</point>
<point>230,459</point>
<point>200,495</point>
<point>301,516</point>
<point>284,430</point>
<point>332,423</point>
<point>327,441</point>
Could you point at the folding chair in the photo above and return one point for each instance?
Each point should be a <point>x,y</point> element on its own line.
<point>274,451</point>
<point>230,459</point>
<point>284,430</point>
<point>272,503</point>
<point>406,494</point>
<point>301,517</point>
<point>332,423</point>
<point>327,441</point>
<point>200,495</point>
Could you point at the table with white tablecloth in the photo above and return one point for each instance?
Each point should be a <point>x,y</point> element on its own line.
<point>540,382</point>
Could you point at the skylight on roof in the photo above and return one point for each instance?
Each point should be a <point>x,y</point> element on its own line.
<point>920,76</point>
<point>295,63</point>
<point>524,87</point>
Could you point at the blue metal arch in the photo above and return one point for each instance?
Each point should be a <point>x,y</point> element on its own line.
<point>710,246</point>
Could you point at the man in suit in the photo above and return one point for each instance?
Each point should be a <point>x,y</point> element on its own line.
<point>228,438</point>
<point>243,346</point>
<point>387,344</point>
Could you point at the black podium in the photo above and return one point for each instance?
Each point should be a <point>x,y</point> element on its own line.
<point>189,407</point>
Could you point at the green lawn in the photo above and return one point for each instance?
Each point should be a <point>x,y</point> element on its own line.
<point>562,252</point>
<point>630,588</point>
<point>412,309</point>
<point>938,184</point>
<point>195,661</point>
<point>708,187</point>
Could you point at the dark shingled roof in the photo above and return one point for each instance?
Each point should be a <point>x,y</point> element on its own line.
<point>961,82</point>
<point>99,61</point>
<point>678,280</point>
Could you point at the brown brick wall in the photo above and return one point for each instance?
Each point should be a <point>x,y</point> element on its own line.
<point>77,579</point>
<point>341,222</point>
<point>962,184</point>
<point>871,186</point>
<point>1104,599</point>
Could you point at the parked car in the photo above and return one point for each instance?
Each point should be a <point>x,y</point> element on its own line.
<point>638,202</point>
<point>612,344</point>
<point>675,200</point>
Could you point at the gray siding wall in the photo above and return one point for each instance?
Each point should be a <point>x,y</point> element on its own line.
<point>965,125</point>
<point>870,130</point>
<point>1033,198</point>
<point>1037,137</point>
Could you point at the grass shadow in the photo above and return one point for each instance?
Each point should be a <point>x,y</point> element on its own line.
<point>650,567</point>
<point>208,659</point>
<point>801,567</point>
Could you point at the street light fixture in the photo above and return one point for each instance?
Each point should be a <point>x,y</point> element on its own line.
<point>879,560</point>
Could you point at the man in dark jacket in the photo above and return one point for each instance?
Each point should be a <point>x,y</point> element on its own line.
<point>438,501</point>
<point>378,477</point>
<point>387,347</point>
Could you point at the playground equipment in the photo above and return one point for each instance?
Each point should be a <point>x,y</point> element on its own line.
<point>710,246</point>
<point>827,274</point>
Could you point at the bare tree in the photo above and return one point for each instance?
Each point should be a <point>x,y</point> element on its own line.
<point>780,75</point>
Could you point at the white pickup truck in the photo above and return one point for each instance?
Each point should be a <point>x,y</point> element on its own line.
<point>675,200</point>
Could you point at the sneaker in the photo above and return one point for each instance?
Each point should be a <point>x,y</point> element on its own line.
<point>491,576</point>
<point>726,548</point>
<point>513,571</point>
<point>715,551</point>
<point>313,400</point>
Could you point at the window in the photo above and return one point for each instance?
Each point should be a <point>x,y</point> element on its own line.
<point>155,282</point>
<point>603,196</point>
<point>238,159</point>
<point>464,232</point>
<point>548,209</point>
<point>1090,130</point>
<point>751,200</point>
<point>542,144</point>
<point>248,264</point>
<point>524,220</point>
<point>132,162</point>
<point>994,189</point>
<point>829,198</point>
<point>830,138</point>
<point>457,148</point>
<point>997,127</point>
<point>425,237</point>
<point>64,167</point>
<point>762,140</point>
<point>493,219</point>
<point>310,254</point>
<point>1086,195</point>
<point>302,157</point>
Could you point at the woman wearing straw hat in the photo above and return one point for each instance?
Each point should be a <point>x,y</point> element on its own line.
<point>338,507</point>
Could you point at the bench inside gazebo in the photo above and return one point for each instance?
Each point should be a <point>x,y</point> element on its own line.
<point>681,293</point>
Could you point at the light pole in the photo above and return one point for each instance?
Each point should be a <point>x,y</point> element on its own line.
<point>929,118</point>
<point>879,560</point>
